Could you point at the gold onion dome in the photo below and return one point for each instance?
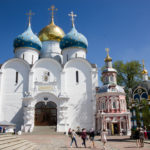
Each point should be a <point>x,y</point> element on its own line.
<point>51,31</point>
<point>144,71</point>
<point>108,58</point>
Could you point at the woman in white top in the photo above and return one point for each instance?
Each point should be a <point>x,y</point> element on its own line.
<point>103,137</point>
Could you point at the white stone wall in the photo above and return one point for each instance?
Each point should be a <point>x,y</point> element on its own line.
<point>12,92</point>
<point>75,101</point>
<point>28,54</point>
<point>39,71</point>
<point>70,53</point>
<point>81,98</point>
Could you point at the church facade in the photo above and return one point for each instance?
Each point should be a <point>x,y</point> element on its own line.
<point>49,81</point>
<point>111,108</point>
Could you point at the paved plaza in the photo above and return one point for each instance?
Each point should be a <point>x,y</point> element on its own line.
<point>62,142</point>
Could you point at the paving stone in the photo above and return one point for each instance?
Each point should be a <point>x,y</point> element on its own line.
<point>62,142</point>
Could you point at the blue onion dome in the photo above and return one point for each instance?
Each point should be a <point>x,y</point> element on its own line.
<point>28,39</point>
<point>74,39</point>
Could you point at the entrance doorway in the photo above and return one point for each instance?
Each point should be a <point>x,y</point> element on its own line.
<point>46,114</point>
<point>116,128</point>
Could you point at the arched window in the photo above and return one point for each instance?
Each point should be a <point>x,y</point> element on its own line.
<point>77,76</point>
<point>111,78</point>
<point>103,105</point>
<point>67,57</point>
<point>16,77</point>
<point>144,96</point>
<point>114,105</point>
<point>137,97</point>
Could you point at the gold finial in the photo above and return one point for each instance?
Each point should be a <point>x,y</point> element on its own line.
<point>52,8</point>
<point>72,17</point>
<point>108,58</point>
<point>143,64</point>
<point>144,70</point>
<point>30,14</point>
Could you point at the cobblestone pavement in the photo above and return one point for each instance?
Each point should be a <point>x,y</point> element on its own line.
<point>62,142</point>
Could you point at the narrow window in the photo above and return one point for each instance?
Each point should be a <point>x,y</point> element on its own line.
<point>32,59</point>
<point>16,77</point>
<point>23,56</point>
<point>48,73</point>
<point>114,105</point>
<point>77,76</point>
<point>67,57</point>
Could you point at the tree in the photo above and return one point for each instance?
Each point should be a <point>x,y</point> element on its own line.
<point>128,74</point>
<point>145,112</point>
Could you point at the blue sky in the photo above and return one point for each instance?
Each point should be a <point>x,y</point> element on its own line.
<point>121,25</point>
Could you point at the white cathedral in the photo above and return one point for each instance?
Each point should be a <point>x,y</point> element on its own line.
<point>49,81</point>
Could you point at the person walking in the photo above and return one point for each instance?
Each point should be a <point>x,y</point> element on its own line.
<point>84,136</point>
<point>137,132</point>
<point>145,133</point>
<point>73,138</point>
<point>92,135</point>
<point>141,136</point>
<point>103,138</point>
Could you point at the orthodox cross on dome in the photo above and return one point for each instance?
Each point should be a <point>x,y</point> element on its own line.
<point>72,17</point>
<point>52,8</point>
<point>144,70</point>
<point>30,14</point>
<point>107,50</point>
<point>143,64</point>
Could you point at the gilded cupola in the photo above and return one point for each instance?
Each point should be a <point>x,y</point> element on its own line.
<point>108,58</point>
<point>51,32</point>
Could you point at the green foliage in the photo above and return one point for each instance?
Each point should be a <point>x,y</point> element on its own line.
<point>145,113</point>
<point>129,73</point>
<point>137,111</point>
<point>145,109</point>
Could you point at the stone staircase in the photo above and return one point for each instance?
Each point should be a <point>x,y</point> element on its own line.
<point>44,130</point>
<point>14,142</point>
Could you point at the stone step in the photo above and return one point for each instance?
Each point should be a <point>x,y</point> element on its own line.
<point>15,143</point>
<point>9,141</point>
<point>10,144</point>
<point>46,130</point>
<point>26,147</point>
<point>7,138</point>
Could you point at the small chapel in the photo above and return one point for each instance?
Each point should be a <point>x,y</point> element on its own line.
<point>111,108</point>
